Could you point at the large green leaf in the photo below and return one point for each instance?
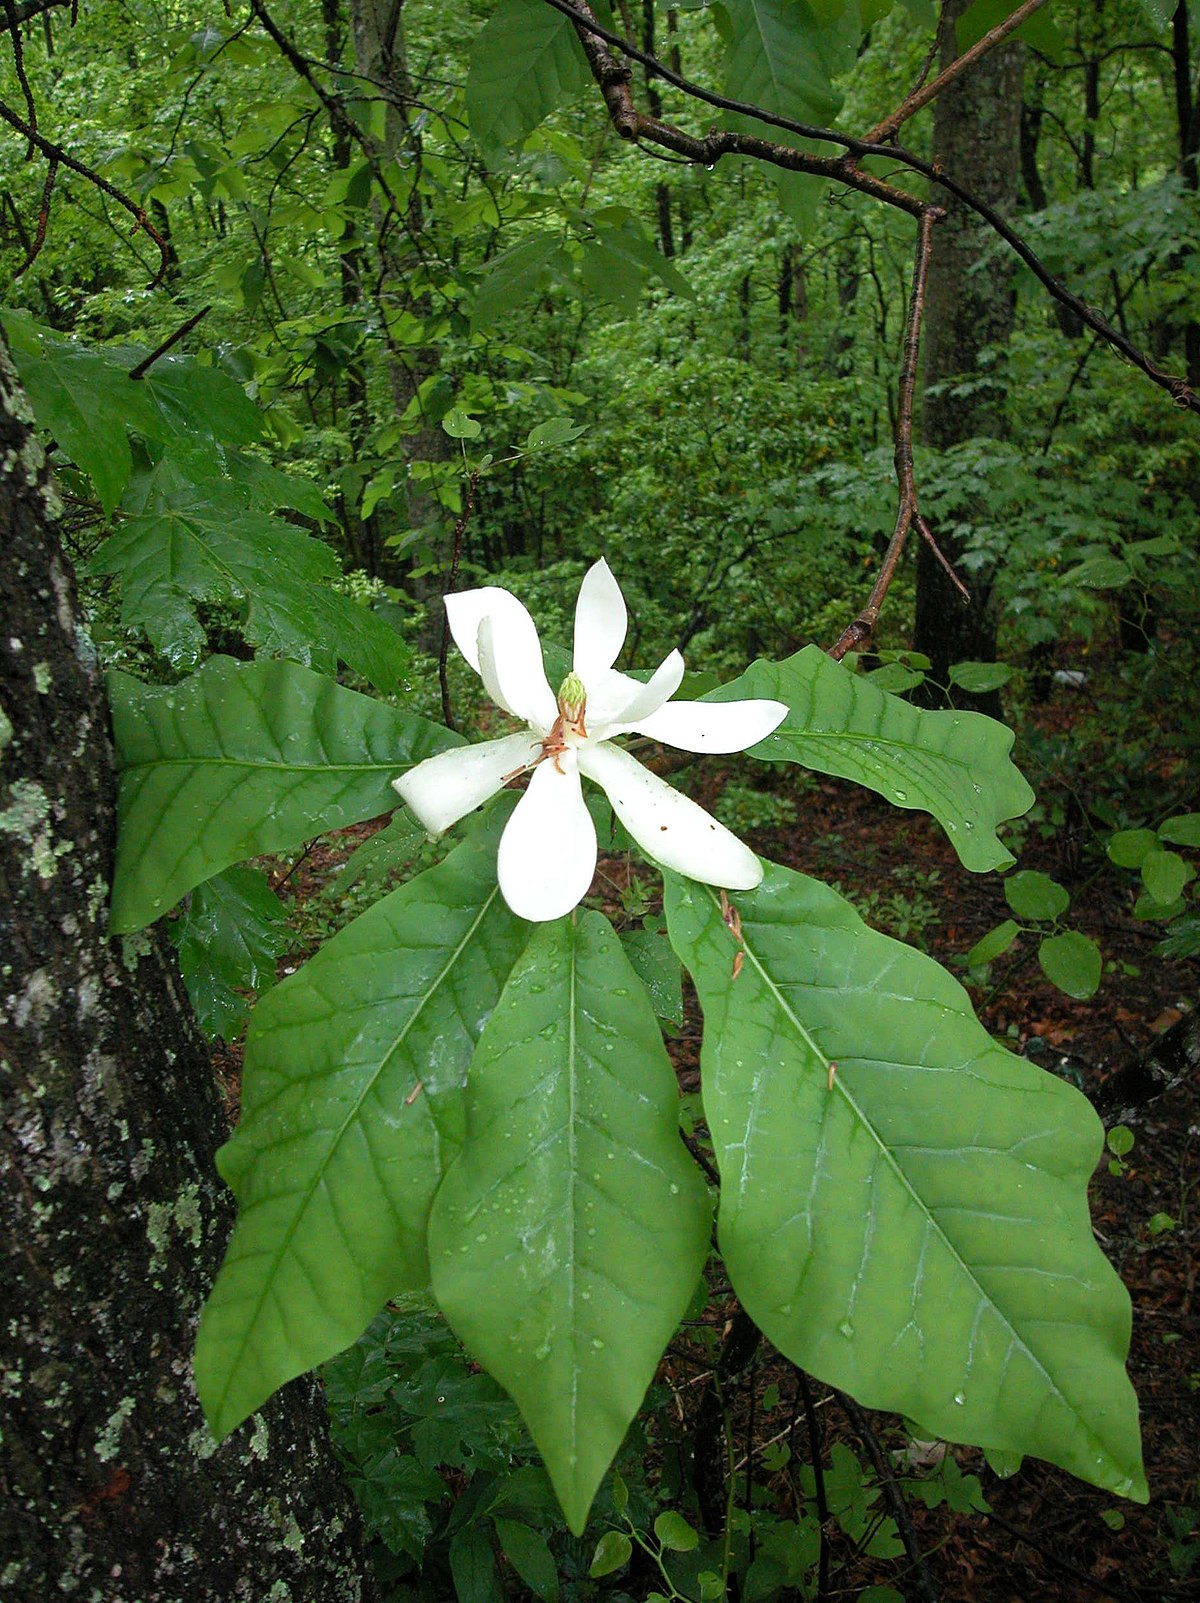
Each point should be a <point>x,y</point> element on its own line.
<point>955,765</point>
<point>782,54</point>
<point>242,759</point>
<point>910,1223</point>
<point>525,63</point>
<point>207,539</point>
<point>351,1109</point>
<point>518,272</point>
<point>228,940</point>
<point>570,1232</point>
<point>88,401</point>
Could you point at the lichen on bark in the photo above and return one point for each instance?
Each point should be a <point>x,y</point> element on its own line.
<point>111,1214</point>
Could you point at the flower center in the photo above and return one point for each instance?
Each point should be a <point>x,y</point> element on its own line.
<point>572,705</point>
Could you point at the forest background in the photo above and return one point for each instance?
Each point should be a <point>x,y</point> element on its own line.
<point>445,329</point>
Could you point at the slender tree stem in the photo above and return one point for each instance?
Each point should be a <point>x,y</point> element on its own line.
<point>816,1452</point>
<point>893,1494</point>
<point>460,527</point>
<point>921,96</point>
<point>909,512</point>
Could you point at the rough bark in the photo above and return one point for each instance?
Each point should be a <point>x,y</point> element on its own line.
<point>970,305</point>
<point>1188,124</point>
<point>113,1221</point>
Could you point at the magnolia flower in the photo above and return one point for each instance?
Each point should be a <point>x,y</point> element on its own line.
<point>547,853</point>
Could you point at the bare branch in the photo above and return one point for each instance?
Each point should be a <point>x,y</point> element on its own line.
<point>614,80</point>
<point>909,513</point>
<point>58,155</point>
<point>26,10</point>
<point>14,33</point>
<point>39,239</point>
<point>890,126</point>
<point>147,362</point>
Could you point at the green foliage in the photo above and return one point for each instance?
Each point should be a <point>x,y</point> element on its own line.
<point>228,938</point>
<point>848,1204</point>
<point>199,517</point>
<point>525,63</point>
<point>264,755</point>
<point>351,1111</point>
<point>568,1238</point>
<point>954,765</point>
<point>479,266</point>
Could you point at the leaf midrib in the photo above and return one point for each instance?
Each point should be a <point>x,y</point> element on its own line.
<point>351,1115</point>
<point>840,1087</point>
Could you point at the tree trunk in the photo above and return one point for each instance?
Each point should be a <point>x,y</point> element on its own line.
<point>113,1219</point>
<point>379,49</point>
<point>976,136</point>
<point>1188,124</point>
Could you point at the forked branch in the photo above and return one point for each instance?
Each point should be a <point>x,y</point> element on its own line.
<point>908,514</point>
<point>613,79</point>
<point>59,157</point>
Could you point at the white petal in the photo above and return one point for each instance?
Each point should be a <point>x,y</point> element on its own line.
<point>600,621</point>
<point>644,700</point>
<point>510,664</point>
<point>667,825</point>
<point>548,850</point>
<point>466,610</point>
<point>607,693</point>
<point>443,789</point>
<point>712,726</point>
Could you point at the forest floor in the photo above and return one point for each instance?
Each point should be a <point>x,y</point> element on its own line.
<point>1048,1538</point>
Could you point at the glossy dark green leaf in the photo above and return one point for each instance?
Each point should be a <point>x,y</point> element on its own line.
<point>980,677</point>
<point>655,964</point>
<point>242,759</point>
<point>526,1550</point>
<point>904,1203</point>
<point>1182,830</point>
<point>517,273</point>
<point>612,1550</point>
<point>993,944</point>
<point>351,1110</point>
<point>228,940</point>
<point>199,540</point>
<point>674,1532</point>
<point>1164,874</point>
<point>570,1232</point>
<point>473,1566</point>
<point>955,765</point>
<point>1129,847</point>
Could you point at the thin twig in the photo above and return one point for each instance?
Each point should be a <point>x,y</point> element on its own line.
<point>1058,1561</point>
<point>444,653</point>
<point>147,362</point>
<point>43,222</point>
<point>28,9</point>
<point>890,126</point>
<point>908,513</point>
<point>14,30</point>
<point>57,153</point>
<point>613,79</point>
<point>893,1494</point>
<point>1076,375</point>
<point>816,1449</point>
